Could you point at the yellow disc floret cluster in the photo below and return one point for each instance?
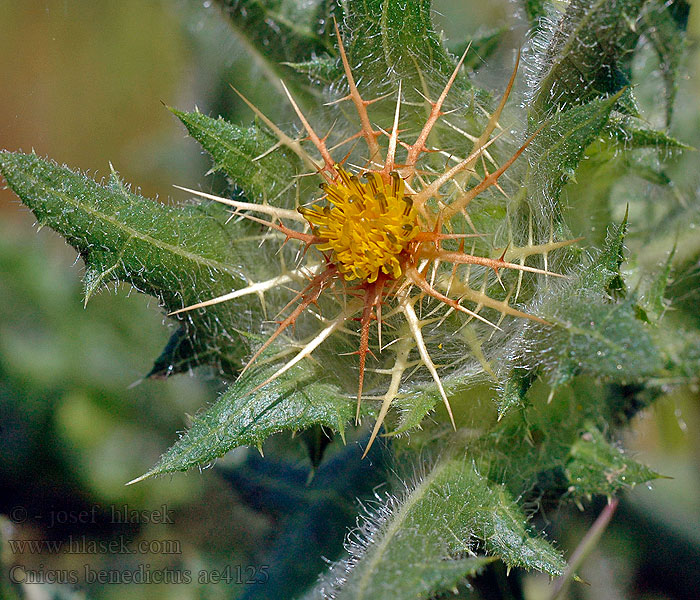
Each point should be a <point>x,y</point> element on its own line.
<point>366,224</point>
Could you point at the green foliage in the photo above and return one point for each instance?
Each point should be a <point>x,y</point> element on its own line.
<point>558,148</point>
<point>587,53</point>
<point>582,60</point>
<point>513,389</point>
<point>276,32</point>
<point>596,334</point>
<point>238,152</point>
<point>596,339</point>
<point>536,401</point>
<point>452,509</point>
<point>596,467</point>
<point>282,30</point>
<point>323,69</point>
<point>635,137</point>
<point>180,255</point>
<point>396,41</point>
<point>245,415</point>
<point>653,302</point>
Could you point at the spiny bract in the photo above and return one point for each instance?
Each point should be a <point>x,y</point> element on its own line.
<point>380,238</point>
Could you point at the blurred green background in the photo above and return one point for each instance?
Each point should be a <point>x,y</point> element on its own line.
<point>84,82</point>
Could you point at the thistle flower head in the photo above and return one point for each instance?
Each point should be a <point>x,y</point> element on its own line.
<point>367,226</point>
<point>385,237</point>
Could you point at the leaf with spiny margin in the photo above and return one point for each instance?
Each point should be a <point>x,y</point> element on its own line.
<point>595,338</point>
<point>180,255</point>
<point>325,69</point>
<point>394,41</point>
<point>413,407</point>
<point>665,24</point>
<point>556,151</point>
<point>604,271</point>
<point>407,549</point>
<point>595,331</point>
<point>582,61</point>
<point>420,579</point>
<point>528,449</point>
<point>597,467</point>
<point>633,137</point>
<point>235,149</point>
<point>243,415</point>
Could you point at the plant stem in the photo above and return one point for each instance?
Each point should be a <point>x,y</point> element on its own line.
<point>589,541</point>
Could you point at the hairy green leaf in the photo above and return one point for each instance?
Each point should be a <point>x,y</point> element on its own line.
<point>594,333</point>
<point>244,415</point>
<point>394,41</point>
<point>589,52</point>
<point>422,399</point>
<point>596,467</point>
<point>425,542</point>
<point>180,255</point>
<point>603,340</point>
<point>408,548</point>
<point>556,151</point>
<point>243,153</point>
<point>582,59</point>
<point>604,271</point>
<point>324,69</point>
<point>633,136</point>
<point>652,303</point>
<point>654,300</point>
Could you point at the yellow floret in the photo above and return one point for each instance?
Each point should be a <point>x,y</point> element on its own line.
<point>366,225</point>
